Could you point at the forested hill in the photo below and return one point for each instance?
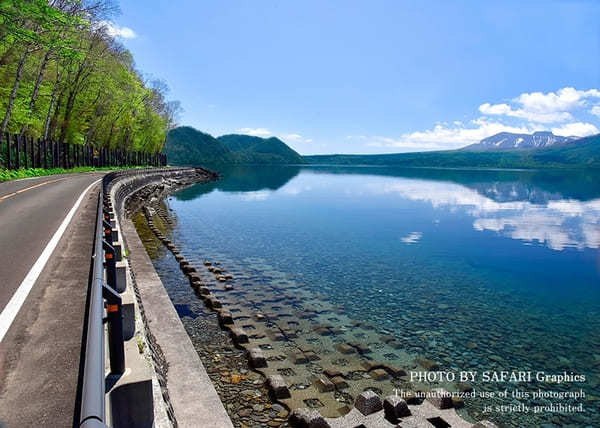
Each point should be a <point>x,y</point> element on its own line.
<point>248,149</point>
<point>188,146</point>
<point>583,153</point>
<point>63,76</point>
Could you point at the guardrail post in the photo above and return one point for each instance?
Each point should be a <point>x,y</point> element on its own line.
<point>116,347</point>
<point>109,258</point>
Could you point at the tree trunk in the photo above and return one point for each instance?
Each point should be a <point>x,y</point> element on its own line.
<point>36,88</point>
<point>13,94</point>
<point>52,99</point>
<point>54,120</point>
<point>67,116</point>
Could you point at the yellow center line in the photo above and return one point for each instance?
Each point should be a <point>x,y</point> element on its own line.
<point>10,195</point>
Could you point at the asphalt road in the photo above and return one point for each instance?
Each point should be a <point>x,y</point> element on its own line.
<point>41,351</point>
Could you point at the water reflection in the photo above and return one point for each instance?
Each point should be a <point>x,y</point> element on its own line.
<point>558,224</point>
<point>558,209</point>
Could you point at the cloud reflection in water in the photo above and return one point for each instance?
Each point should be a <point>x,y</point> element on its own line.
<point>556,223</point>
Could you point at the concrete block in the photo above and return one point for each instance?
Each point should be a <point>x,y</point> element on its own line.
<point>395,408</point>
<point>379,374</point>
<point>323,384</point>
<point>278,387</point>
<point>128,311</point>
<point>121,276</point>
<point>118,250</point>
<point>345,348</point>
<point>331,372</point>
<point>187,269</point>
<point>225,317</point>
<point>239,335</point>
<point>130,400</point>
<point>203,291</point>
<point>257,358</point>
<point>307,418</point>
<point>440,398</point>
<point>339,382</point>
<point>368,402</point>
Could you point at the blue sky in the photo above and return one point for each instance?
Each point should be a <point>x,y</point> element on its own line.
<point>373,76</point>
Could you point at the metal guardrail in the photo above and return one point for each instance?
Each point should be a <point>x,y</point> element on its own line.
<point>103,297</point>
<point>104,300</point>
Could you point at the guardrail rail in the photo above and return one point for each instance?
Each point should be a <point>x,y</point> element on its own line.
<point>103,297</point>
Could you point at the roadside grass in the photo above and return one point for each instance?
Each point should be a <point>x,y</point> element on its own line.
<point>12,174</point>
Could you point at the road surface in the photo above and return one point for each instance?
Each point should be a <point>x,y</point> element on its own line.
<point>41,340</point>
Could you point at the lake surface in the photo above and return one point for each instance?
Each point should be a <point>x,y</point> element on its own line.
<point>475,270</point>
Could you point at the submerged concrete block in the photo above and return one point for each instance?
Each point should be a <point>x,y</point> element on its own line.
<point>187,269</point>
<point>203,291</point>
<point>339,382</point>
<point>257,358</point>
<point>307,418</point>
<point>278,387</point>
<point>379,374</point>
<point>440,398</point>
<point>368,402</point>
<point>395,408</point>
<point>239,335</point>
<point>225,317</point>
<point>323,384</point>
<point>345,348</point>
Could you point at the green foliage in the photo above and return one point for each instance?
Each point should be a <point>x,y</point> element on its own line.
<point>188,146</point>
<point>15,174</point>
<point>77,79</point>
<point>255,150</point>
<point>583,153</point>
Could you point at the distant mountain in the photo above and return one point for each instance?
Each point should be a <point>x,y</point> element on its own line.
<point>510,141</point>
<point>581,153</point>
<point>188,146</point>
<point>255,150</point>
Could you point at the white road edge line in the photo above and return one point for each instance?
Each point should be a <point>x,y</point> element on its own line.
<point>13,307</point>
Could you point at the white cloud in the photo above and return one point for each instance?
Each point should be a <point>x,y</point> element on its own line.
<point>114,30</point>
<point>578,129</point>
<point>257,132</point>
<point>543,107</point>
<point>443,137</point>
<point>295,138</point>
<point>527,113</point>
<point>265,132</point>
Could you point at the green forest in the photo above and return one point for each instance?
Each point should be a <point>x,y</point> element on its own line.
<point>64,77</point>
